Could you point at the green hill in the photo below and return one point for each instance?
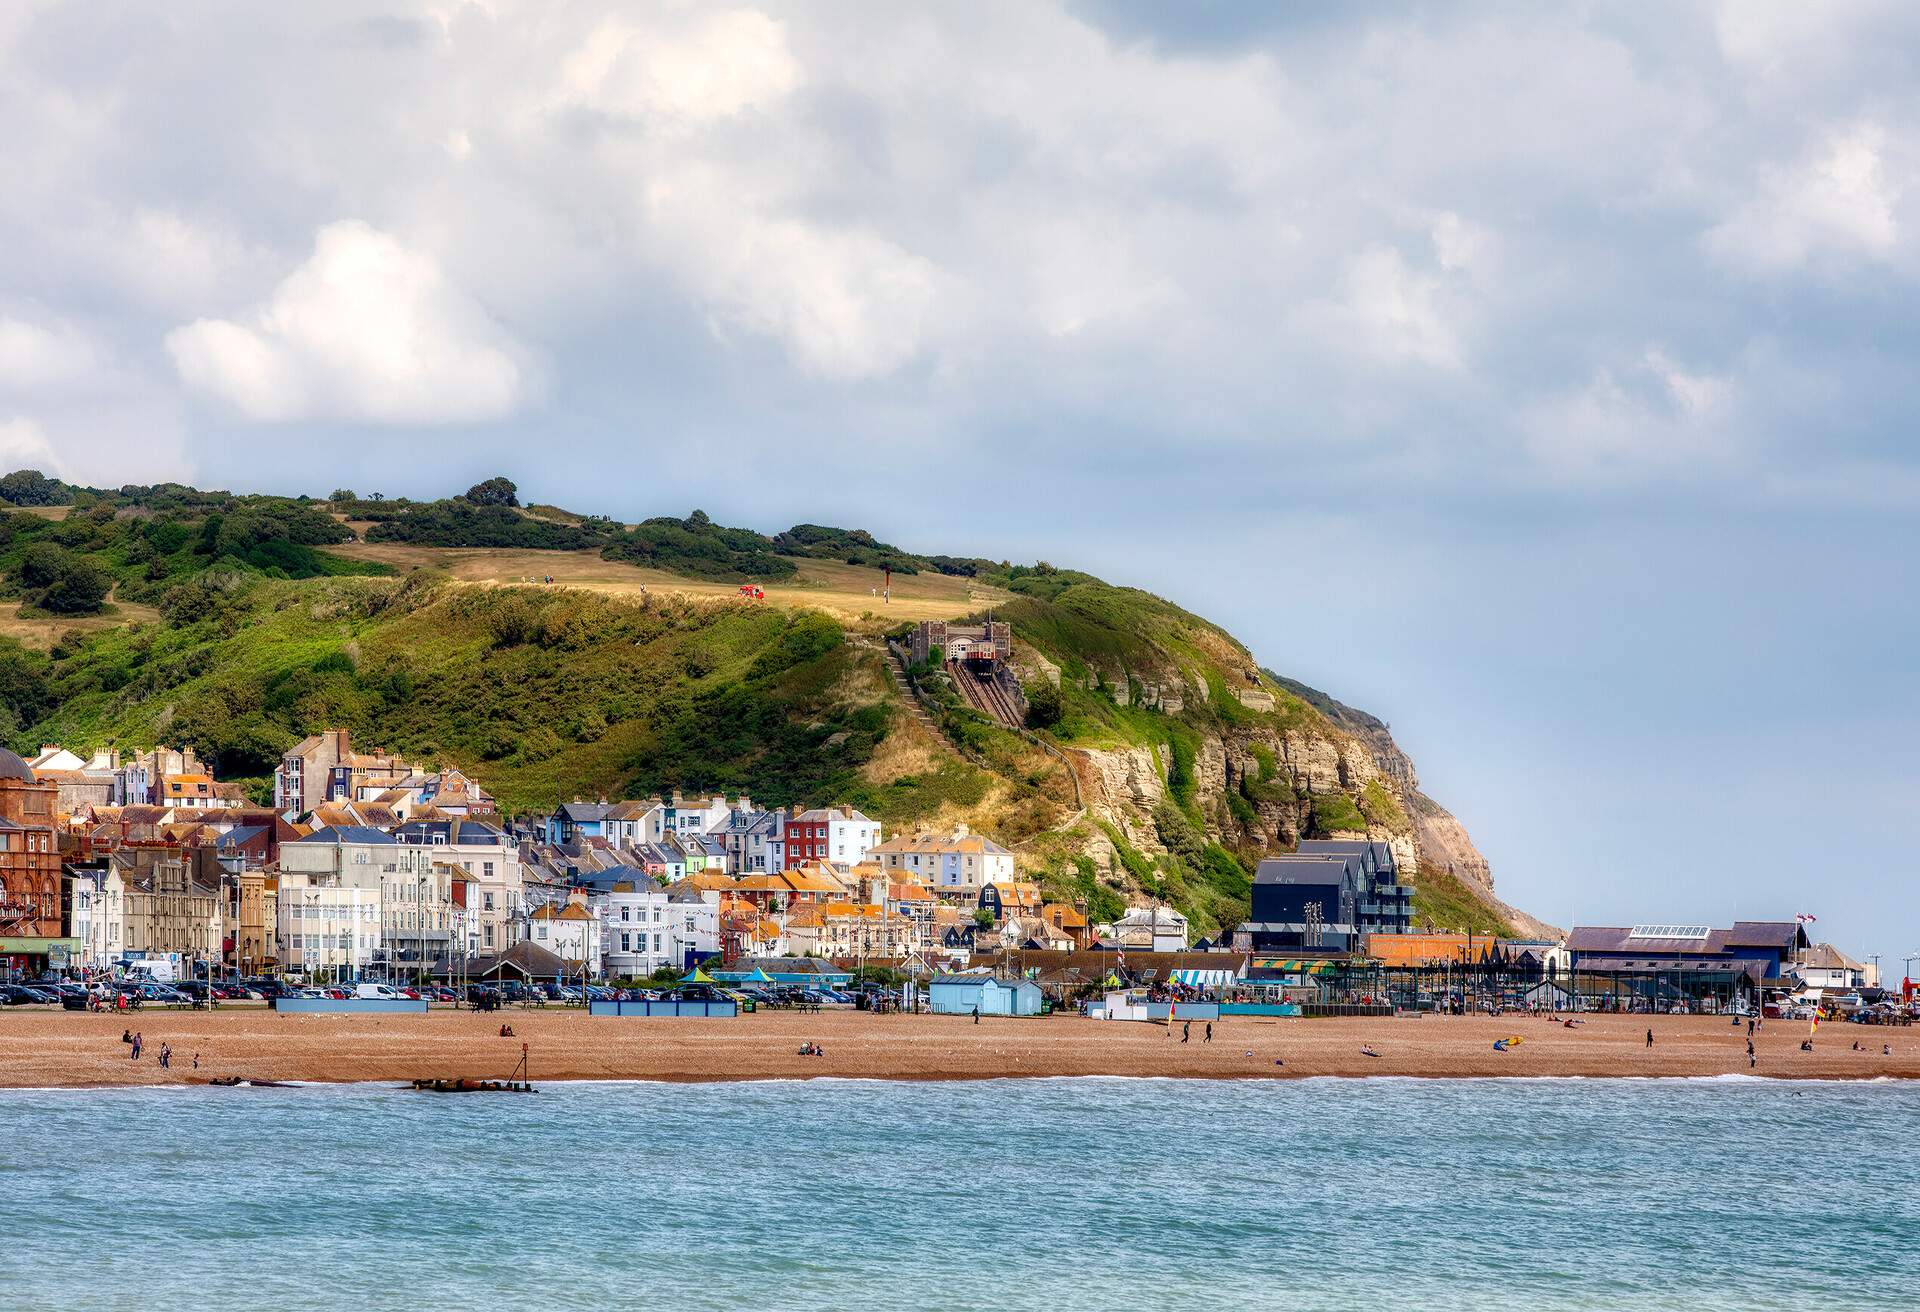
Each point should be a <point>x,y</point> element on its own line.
<point>1162,762</point>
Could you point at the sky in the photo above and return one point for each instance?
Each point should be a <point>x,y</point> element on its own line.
<point>1539,378</point>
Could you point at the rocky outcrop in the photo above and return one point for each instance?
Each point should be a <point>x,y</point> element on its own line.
<point>1129,783</point>
<point>1339,771</point>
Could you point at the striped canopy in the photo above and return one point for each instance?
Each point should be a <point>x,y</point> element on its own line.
<point>1206,979</point>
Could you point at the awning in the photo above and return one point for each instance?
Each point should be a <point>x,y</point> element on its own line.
<point>1295,965</point>
<point>35,945</point>
<point>1203,979</point>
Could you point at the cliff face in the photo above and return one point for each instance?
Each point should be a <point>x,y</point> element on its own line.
<point>1188,753</point>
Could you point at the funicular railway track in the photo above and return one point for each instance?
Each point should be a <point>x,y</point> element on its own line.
<point>985,693</point>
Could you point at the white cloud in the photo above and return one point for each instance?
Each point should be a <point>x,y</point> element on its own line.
<point>1456,243</point>
<point>1840,201</point>
<point>367,328</point>
<point>24,445</point>
<point>1651,418</point>
<point>1698,395</point>
<point>34,356</point>
<point>715,66</point>
<point>1398,308</point>
<point>846,303</point>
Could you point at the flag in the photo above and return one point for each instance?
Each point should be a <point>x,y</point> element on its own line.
<point>1806,919</point>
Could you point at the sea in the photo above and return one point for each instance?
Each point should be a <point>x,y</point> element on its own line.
<point>1020,1194</point>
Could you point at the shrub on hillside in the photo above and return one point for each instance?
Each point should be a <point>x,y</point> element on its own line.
<point>460,523</point>
<point>57,580</point>
<point>1336,813</point>
<point>698,548</point>
<point>1045,706</point>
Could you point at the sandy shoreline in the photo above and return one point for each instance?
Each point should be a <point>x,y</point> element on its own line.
<point>74,1049</point>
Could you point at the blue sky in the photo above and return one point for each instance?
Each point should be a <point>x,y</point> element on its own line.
<point>1539,378</point>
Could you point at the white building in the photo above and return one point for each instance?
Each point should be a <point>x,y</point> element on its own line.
<point>1151,929</point>
<point>831,833</point>
<point>1823,966</point>
<point>686,817</point>
<point>571,932</point>
<point>956,866</point>
<point>497,898</point>
<point>644,928</point>
<point>327,924</point>
<point>409,884</point>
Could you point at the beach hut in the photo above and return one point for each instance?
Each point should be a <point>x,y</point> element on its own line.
<point>991,995</point>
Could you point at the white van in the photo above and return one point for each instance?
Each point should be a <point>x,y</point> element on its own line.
<point>153,970</point>
<point>377,991</point>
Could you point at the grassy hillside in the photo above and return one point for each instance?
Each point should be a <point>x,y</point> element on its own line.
<point>548,694</point>
<point>240,624</point>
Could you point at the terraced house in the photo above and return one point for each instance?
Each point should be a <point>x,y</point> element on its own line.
<point>958,865</point>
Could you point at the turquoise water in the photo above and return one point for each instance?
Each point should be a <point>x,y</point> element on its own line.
<point>1026,1194</point>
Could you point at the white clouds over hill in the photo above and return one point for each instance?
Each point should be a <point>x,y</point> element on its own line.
<point>365,329</point>
<point>1446,241</point>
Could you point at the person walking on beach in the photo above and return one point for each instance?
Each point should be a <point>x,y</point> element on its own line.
<point>976,1013</point>
<point>1750,1057</point>
<point>166,1056</point>
<point>1209,1038</point>
<point>1186,1032</point>
<point>1749,1027</point>
<point>136,1047</point>
<point>1649,1038</point>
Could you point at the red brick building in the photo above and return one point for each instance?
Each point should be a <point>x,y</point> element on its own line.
<point>29,866</point>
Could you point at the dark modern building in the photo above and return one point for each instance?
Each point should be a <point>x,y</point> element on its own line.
<point>1386,904</point>
<point>1324,898</point>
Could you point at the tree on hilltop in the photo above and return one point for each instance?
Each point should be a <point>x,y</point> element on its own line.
<point>494,492</point>
<point>30,487</point>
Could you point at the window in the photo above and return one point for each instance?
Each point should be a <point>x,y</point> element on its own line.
<point>486,901</point>
<point>626,942</point>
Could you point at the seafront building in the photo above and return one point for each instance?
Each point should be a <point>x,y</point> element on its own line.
<point>376,868</point>
<point>32,909</point>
